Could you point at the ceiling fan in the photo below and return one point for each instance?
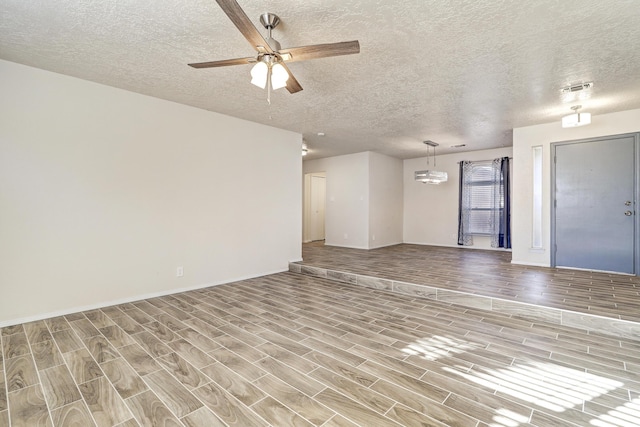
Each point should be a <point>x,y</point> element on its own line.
<point>270,69</point>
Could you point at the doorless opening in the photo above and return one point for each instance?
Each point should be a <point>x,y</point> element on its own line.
<point>314,206</point>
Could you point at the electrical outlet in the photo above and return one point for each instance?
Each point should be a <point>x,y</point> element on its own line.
<point>179,272</point>
<point>346,236</point>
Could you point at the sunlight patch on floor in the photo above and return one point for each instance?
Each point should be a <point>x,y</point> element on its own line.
<point>627,415</point>
<point>438,346</point>
<point>546,385</point>
<point>507,418</point>
<point>543,384</point>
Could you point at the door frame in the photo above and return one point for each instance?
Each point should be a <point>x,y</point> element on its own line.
<point>636,192</point>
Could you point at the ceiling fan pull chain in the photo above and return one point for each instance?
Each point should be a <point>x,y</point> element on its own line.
<point>269,85</point>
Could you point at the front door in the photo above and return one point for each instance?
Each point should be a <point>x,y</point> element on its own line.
<point>595,204</point>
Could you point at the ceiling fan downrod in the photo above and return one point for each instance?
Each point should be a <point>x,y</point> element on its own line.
<point>271,21</point>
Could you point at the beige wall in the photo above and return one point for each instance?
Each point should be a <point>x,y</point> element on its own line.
<point>385,200</point>
<point>431,211</point>
<point>104,193</point>
<point>544,135</point>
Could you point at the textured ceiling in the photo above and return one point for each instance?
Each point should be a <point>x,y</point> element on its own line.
<point>456,72</point>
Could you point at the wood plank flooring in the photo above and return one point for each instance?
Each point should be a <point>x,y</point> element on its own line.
<point>289,349</point>
<point>487,273</point>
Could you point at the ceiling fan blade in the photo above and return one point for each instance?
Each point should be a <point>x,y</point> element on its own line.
<point>243,23</point>
<point>292,84</point>
<point>223,63</point>
<point>314,51</point>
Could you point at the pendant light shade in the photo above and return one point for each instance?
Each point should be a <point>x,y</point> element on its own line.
<point>430,177</point>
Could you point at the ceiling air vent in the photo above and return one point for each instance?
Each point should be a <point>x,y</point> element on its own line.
<point>577,88</point>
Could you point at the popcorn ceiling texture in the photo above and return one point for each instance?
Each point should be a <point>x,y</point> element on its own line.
<point>455,72</point>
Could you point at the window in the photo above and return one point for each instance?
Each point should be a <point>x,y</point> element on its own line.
<point>536,238</point>
<point>484,202</point>
<point>482,207</point>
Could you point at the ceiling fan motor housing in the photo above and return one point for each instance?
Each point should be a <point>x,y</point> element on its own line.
<point>269,20</point>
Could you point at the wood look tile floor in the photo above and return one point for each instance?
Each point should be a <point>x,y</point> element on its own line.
<point>487,273</point>
<point>293,350</point>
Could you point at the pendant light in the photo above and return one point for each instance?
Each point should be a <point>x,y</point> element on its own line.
<point>430,176</point>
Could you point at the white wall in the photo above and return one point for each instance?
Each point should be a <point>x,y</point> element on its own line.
<point>543,135</point>
<point>347,207</point>
<point>103,193</point>
<point>431,211</point>
<point>385,200</point>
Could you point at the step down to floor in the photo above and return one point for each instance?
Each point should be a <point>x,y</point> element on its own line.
<point>574,319</point>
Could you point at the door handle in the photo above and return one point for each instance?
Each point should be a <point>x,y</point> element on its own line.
<point>628,213</point>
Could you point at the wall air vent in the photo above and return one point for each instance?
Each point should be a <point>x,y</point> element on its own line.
<point>577,88</point>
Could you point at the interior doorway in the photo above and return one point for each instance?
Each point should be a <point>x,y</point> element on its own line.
<point>314,206</point>
<point>594,190</point>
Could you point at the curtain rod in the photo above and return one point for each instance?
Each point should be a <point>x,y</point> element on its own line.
<point>482,161</point>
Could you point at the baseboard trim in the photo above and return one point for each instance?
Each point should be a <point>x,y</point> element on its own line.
<point>386,245</point>
<point>346,246</point>
<point>458,246</point>
<point>103,304</point>
<point>595,271</point>
<point>532,264</point>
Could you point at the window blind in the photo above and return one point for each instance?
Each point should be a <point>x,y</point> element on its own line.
<point>482,207</point>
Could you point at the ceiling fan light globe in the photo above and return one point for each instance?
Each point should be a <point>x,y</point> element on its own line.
<point>279,76</point>
<point>259,75</point>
